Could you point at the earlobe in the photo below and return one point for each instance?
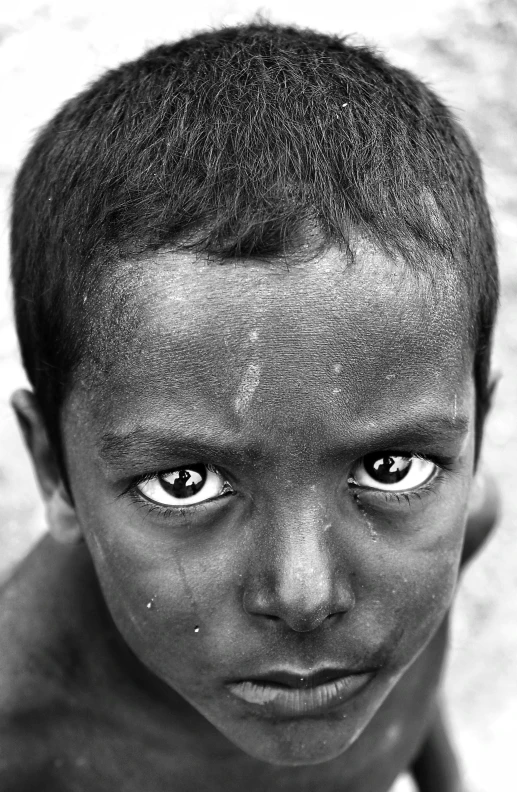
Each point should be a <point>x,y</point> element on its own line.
<point>492,386</point>
<point>61,516</point>
<point>62,520</point>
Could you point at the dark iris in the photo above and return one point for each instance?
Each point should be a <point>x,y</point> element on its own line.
<point>387,468</point>
<point>184,482</point>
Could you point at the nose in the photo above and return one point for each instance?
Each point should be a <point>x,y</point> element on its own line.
<point>298,574</point>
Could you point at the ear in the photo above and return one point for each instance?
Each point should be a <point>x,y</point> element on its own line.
<point>60,512</point>
<point>484,508</point>
<point>483,408</point>
<point>491,390</point>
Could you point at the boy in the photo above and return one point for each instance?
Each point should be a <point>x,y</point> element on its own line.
<point>255,285</point>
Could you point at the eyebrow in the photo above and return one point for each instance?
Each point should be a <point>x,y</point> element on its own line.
<point>427,430</point>
<point>152,447</point>
<point>145,445</point>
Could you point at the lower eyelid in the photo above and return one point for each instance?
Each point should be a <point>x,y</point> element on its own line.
<point>428,488</point>
<point>411,495</point>
<point>169,509</point>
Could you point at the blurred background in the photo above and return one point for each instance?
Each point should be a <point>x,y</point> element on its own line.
<point>467,51</point>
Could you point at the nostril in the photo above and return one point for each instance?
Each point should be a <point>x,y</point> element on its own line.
<point>268,616</point>
<point>301,589</point>
<point>299,613</point>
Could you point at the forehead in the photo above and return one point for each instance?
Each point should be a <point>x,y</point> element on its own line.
<point>246,340</point>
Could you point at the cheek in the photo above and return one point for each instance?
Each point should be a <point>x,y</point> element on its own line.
<point>409,575</point>
<point>412,598</point>
<point>146,588</point>
<point>163,599</point>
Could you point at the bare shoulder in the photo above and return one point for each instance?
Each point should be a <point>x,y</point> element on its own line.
<point>71,717</point>
<point>35,608</point>
<point>40,665</point>
<point>483,514</point>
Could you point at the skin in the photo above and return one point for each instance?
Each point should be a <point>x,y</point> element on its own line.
<point>283,379</point>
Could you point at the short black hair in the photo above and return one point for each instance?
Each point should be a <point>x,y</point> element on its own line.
<point>232,143</point>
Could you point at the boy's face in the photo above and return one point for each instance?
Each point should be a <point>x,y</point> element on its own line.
<point>333,405</point>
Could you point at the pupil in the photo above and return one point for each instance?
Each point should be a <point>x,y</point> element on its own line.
<point>184,482</point>
<point>387,469</point>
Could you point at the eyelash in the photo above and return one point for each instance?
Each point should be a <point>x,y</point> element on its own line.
<point>168,511</point>
<point>410,495</point>
<point>443,465</point>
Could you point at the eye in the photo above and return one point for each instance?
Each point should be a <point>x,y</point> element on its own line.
<point>184,486</point>
<point>393,472</point>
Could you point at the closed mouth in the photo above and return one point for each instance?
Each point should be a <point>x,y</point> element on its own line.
<point>293,695</point>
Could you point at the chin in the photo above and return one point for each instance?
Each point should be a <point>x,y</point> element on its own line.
<point>300,757</point>
<point>294,745</point>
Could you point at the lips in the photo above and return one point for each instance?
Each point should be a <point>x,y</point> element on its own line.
<point>293,694</point>
<point>302,679</point>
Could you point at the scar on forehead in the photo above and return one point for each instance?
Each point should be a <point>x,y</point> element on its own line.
<point>247,387</point>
